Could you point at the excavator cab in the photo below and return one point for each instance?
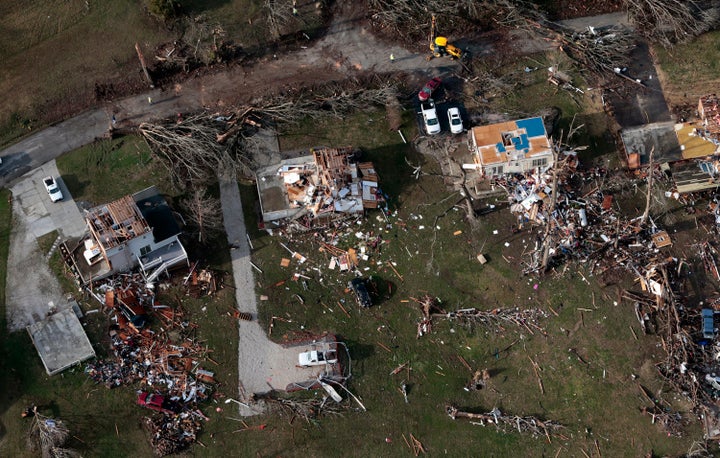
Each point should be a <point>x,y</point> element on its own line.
<point>440,46</point>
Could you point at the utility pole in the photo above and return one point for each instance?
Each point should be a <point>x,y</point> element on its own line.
<point>144,67</point>
<point>649,189</point>
<point>548,238</point>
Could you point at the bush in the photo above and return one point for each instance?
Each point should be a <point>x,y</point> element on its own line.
<point>164,9</point>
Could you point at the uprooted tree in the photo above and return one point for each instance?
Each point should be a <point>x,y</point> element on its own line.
<point>48,436</point>
<point>672,21</point>
<point>195,148</point>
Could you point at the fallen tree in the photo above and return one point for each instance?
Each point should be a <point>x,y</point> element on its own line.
<point>506,423</point>
<point>668,22</point>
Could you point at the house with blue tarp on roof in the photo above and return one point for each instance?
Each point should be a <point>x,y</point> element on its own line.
<point>510,147</point>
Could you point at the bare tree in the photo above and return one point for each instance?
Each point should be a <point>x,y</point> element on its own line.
<point>190,149</point>
<point>204,213</point>
<point>195,148</point>
<point>671,21</point>
<point>280,13</point>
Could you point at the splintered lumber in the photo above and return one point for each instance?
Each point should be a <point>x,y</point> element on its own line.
<point>464,363</point>
<point>399,368</point>
<point>417,445</point>
<point>507,423</point>
<point>395,270</point>
<point>536,369</point>
<point>343,309</point>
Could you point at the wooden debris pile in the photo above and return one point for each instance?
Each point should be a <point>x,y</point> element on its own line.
<point>576,215</point>
<point>661,414</point>
<point>709,256</point>
<point>165,358</point>
<point>202,283</point>
<point>687,367</point>
<point>506,423</point>
<point>171,434</point>
<point>429,306</point>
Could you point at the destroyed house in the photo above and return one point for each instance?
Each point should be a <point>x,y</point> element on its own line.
<point>325,183</point>
<point>709,112</point>
<point>687,150</point>
<point>138,230</point>
<point>510,147</point>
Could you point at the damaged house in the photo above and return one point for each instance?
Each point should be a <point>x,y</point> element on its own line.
<point>133,231</point>
<point>687,150</point>
<point>325,183</point>
<point>510,147</point>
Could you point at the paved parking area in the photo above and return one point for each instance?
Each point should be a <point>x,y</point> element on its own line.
<point>32,289</point>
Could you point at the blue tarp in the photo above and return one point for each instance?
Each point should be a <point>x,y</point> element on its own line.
<point>533,126</point>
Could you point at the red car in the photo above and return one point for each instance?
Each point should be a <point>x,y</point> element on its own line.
<point>429,88</point>
<point>155,402</point>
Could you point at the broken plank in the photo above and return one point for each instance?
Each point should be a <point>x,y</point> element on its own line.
<point>396,272</point>
<point>343,309</point>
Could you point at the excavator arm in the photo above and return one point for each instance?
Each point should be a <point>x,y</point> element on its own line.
<point>439,46</point>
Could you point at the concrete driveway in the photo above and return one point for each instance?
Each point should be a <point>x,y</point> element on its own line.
<point>32,289</point>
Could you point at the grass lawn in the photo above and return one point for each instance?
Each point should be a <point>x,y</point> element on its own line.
<point>110,169</point>
<point>690,70</point>
<point>96,44</point>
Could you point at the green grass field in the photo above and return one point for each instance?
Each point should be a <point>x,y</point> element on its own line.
<point>690,71</point>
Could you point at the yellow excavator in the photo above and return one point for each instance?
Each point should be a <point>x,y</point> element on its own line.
<point>440,45</point>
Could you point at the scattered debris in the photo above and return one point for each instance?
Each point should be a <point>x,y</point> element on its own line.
<point>507,423</point>
<point>661,414</point>
<point>166,362</point>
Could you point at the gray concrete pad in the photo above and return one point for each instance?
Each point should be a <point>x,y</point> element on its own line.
<point>61,341</point>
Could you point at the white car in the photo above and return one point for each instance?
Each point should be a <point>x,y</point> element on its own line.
<point>430,117</point>
<point>456,123</point>
<point>317,358</point>
<point>52,189</point>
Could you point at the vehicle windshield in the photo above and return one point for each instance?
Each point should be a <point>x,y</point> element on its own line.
<point>456,121</point>
<point>53,189</point>
<point>432,121</point>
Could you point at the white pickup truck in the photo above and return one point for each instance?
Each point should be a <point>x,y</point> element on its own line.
<point>317,358</point>
<point>430,117</point>
<point>52,189</point>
